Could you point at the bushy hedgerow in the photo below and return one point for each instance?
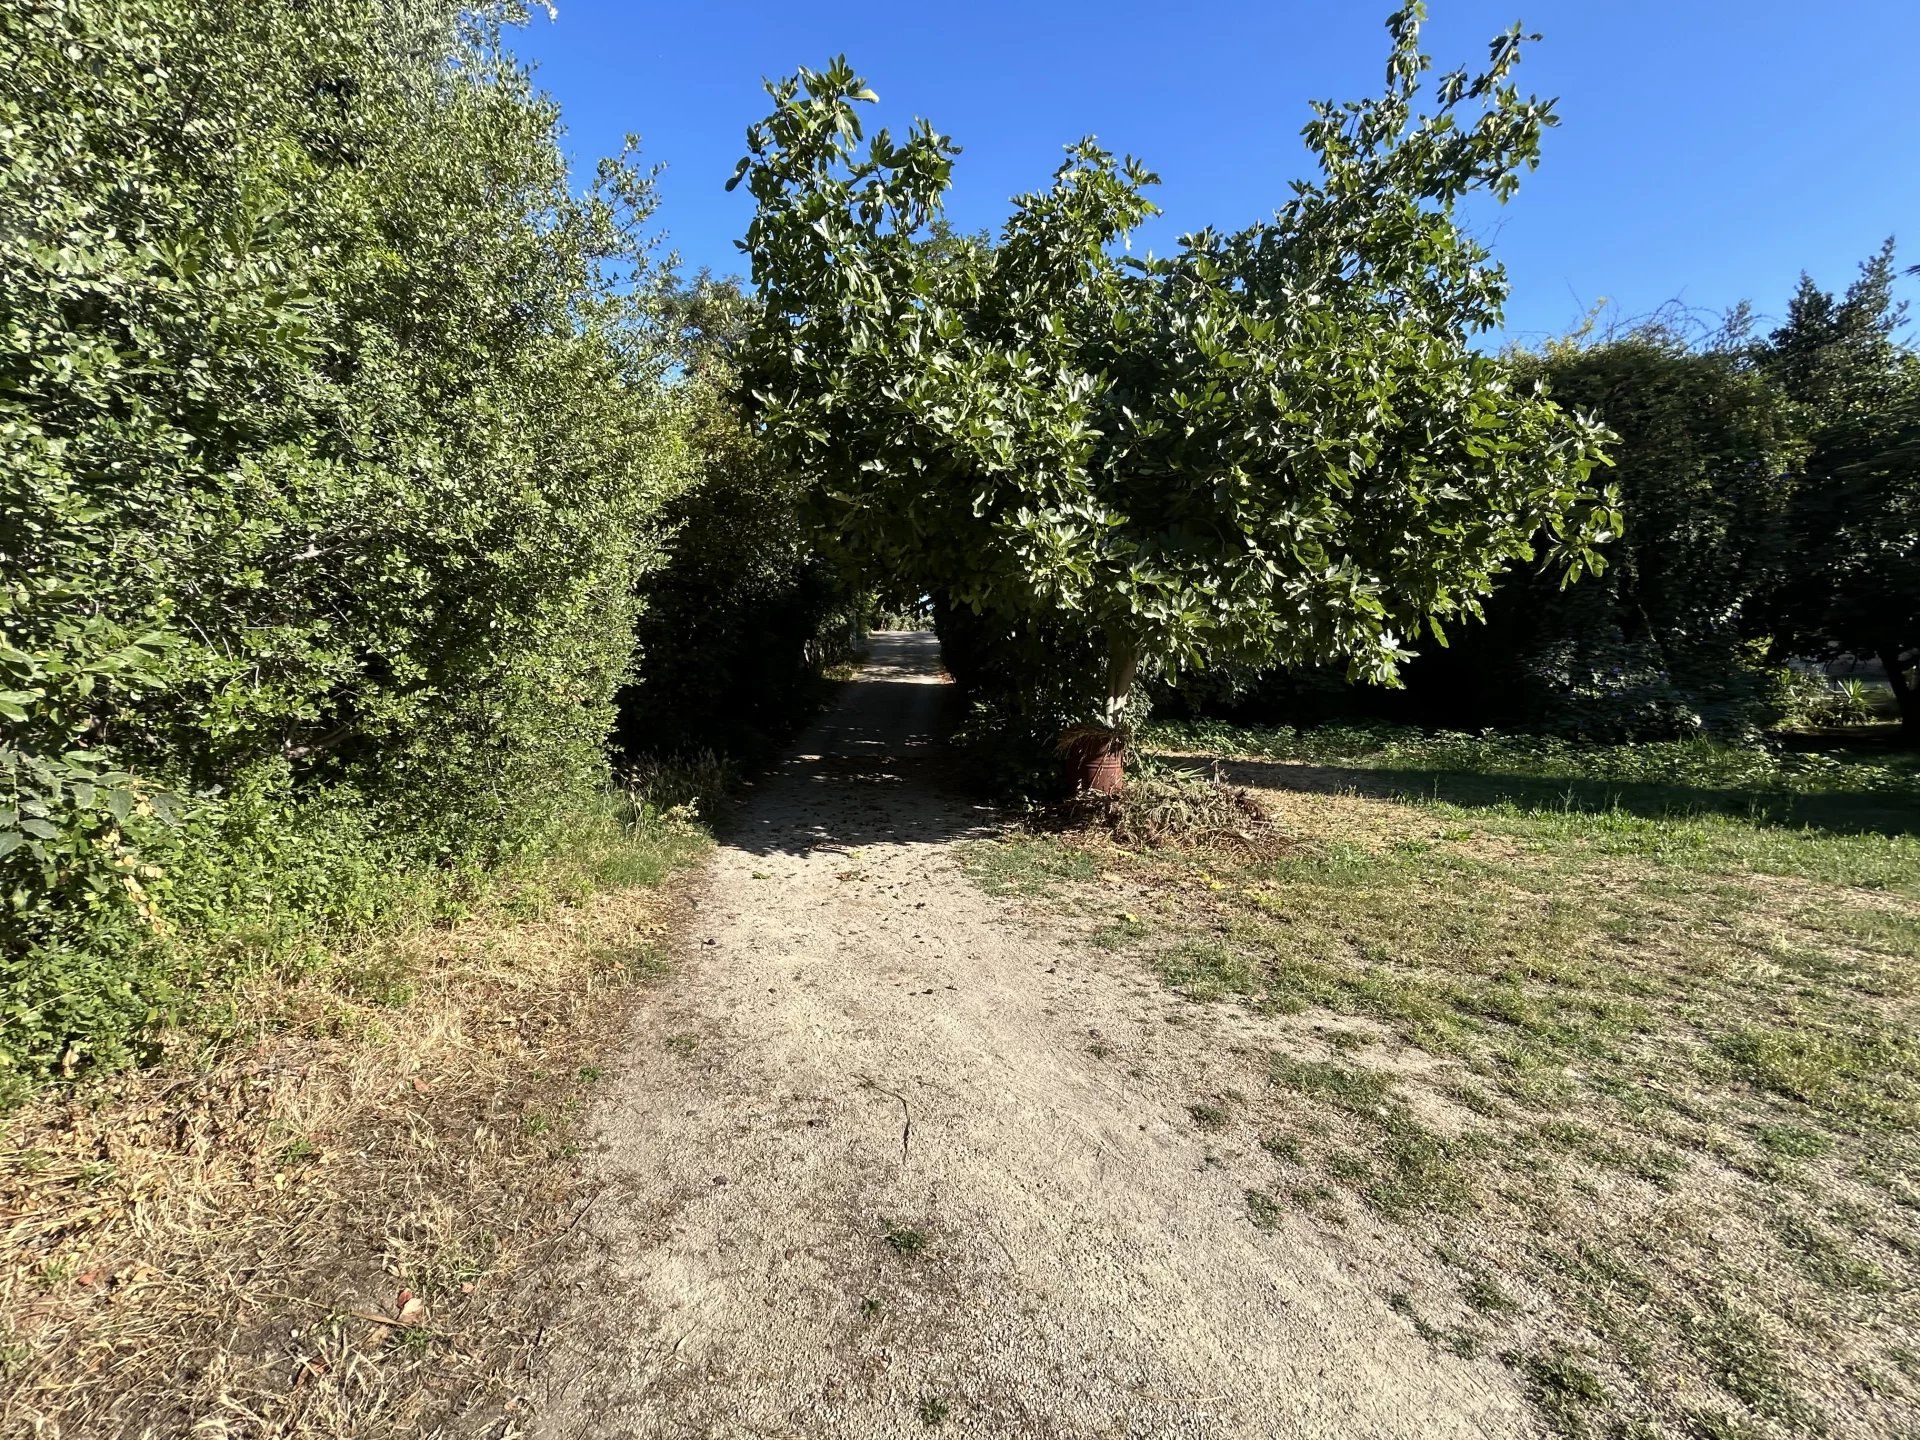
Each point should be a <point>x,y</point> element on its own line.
<point>742,616</point>
<point>330,452</point>
<point>1707,455</point>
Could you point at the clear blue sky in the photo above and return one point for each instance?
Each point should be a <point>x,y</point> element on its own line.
<point>1709,150</point>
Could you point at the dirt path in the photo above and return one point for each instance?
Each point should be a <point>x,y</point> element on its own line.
<point>865,1046</point>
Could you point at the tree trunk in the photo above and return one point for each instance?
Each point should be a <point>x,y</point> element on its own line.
<point>1906,695</point>
<point>1123,660</point>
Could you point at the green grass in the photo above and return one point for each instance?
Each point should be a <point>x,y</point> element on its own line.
<point>934,1410</point>
<point>1741,779</point>
<point>1664,1137</point>
<point>1263,1210</point>
<point>1208,1116</point>
<point>1027,867</point>
<point>1565,1390</point>
<point>905,1240</point>
<point>1694,805</point>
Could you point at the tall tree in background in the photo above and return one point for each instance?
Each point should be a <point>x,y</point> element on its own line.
<point>1276,445</point>
<point>1854,586</point>
<point>1706,454</point>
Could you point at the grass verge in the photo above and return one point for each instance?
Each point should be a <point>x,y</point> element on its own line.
<point>1626,1041</point>
<point>328,1213</point>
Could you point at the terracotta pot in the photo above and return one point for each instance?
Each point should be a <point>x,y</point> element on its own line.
<point>1097,764</point>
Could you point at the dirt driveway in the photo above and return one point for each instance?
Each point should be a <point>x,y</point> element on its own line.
<point>893,1159</point>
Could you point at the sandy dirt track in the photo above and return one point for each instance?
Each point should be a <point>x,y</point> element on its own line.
<point>862,1045</point>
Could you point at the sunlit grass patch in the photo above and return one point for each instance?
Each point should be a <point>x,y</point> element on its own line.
<point>1025,866</point>
<point>1689,804</point>
<point>1868,1076</point>
<point>1639,1053</point>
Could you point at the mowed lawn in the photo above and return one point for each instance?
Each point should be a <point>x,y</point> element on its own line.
<point>1622,1040</point>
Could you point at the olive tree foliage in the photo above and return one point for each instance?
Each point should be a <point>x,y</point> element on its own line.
<point>331,438</point>
<point>1274,445</point>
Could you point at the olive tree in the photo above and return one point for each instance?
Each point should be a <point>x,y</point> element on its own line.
<point>1276,445</point>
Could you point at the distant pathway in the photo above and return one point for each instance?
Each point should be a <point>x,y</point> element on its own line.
<point>864,1176</point>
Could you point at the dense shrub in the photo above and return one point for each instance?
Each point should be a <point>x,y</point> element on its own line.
<point>1021,686</point>
<point>329,451</point>
<point>743,615</point>
<point>1656,647</point>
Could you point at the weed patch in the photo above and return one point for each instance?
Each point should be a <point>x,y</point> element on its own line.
<point>354,1182</point>
<point>906,1240</point>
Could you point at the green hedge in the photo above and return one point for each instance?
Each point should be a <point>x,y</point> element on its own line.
<point>742,616</point>
<point>330,453</point>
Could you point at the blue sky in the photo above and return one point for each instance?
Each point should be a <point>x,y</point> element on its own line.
<point>1709,150</point>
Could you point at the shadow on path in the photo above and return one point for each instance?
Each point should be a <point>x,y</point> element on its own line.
<point>884,739</point>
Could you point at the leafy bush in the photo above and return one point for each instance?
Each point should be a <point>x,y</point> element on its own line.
<point>1705,457</point>
<point>1771,498</point>
<point>1607,688</point>
<point>1660,646</point>
<point>1022,685</point>
<point>1848,702</point>
<point>742,616</point>
<point>1808,698</point>
<point>900,615</point>
<point>331,442</point>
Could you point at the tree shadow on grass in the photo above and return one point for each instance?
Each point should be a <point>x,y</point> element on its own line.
<point>1839,813</point>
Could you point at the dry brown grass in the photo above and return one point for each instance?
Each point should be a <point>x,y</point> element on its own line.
<point>1170,805</point>
<point>333,1227</point>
